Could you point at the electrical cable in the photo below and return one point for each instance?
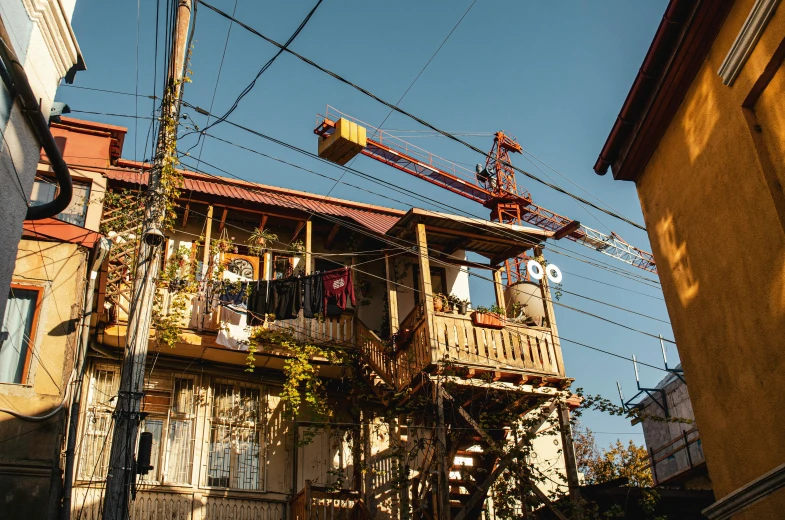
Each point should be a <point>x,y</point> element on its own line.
<point>247,89</point>
<point>437,261</point>
<point>389,185</point>
<point>419,120</point>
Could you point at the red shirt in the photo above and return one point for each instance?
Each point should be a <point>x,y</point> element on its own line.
<point>338,285</point>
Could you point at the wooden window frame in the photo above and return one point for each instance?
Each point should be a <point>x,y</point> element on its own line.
<point>40,291</point>
<point>416,279</point>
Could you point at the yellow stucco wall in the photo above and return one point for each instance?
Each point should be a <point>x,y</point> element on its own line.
<point>721,255</point>
<point>30,452</point>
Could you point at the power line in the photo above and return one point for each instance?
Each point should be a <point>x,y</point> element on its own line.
<point>282,48</point>
<point>108,91</point>
<point>419,120</point>
<point>389,185</point>
<point>437,261</point>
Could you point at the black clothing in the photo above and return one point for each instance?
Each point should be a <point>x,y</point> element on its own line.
<point>287,298</point>
<point>259,301</point>
<point>313,295</point>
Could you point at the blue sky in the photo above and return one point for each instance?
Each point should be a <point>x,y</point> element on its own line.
<point>555,74</point>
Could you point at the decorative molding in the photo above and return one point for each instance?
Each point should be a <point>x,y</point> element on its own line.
<point>747,495</point>
<point>748,37</point>
<point>55,29</point>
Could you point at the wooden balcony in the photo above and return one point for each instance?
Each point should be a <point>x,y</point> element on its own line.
<point>516,350</point>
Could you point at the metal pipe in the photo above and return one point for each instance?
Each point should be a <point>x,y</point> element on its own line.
<point>31,108</point>
<point>99,254</point>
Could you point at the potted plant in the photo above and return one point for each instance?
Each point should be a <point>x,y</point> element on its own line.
<point>485,317</point>
<point>463,306</point>
<point>259,239</point>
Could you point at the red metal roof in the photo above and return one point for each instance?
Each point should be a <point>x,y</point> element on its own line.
<point>57,230</point>
<point>375,218</point>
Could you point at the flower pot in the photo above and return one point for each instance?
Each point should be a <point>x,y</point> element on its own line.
<point>462,308</point>
<point>438,304</point>
<point>488,320</point>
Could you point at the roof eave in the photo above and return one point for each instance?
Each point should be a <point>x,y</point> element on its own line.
<point>680,45</point>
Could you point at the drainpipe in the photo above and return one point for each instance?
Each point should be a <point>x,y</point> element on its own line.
<point>99,254</point>
<point>17,84</point>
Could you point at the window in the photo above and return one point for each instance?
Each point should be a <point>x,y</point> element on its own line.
<point>170,407</point>
<point>45,190</point>
<point>171,412</point>
<point>438,281</point>
<point>97,439</point>
<point>236,437</point>
<point>19,323</point>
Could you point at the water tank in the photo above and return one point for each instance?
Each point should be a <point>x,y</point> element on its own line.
<point>529,295</point>
<point>347,140</point>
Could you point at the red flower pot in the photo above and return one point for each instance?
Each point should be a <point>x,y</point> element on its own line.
<point>484,319</point>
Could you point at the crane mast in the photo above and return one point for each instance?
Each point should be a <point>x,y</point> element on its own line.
<point>494,186</point>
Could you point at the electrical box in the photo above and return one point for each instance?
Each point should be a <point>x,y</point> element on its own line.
<point>347,140</point>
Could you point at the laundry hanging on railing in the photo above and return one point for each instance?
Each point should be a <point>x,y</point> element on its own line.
<point>234,332</point>
<point>337,288</point>
<point>320,293</point>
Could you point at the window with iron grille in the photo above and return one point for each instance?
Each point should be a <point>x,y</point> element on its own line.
<point>237,432</point>
<point>97,439</point>
<point>170,411</point>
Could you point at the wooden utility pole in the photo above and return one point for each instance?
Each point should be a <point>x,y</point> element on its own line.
<point>127,417</point>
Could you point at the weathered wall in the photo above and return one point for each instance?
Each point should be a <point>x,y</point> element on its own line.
<point>721,252</point>
<point>30,452</point>
<point>39,35</point>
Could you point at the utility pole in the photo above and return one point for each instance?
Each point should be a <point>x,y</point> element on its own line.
<point>129,398</point>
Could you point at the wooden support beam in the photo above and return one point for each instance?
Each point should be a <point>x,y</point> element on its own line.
<point>443,490</point>
<point>570,461</point>
<point>392,294</point>
<point>331,237</point>
<point>263,222</point>
<point>300,226</point>
<point>223,220</point>
<point>207,234</point>
<point>550,312</point>
<point>479,495</point>
<point>463,413</point>
<point>185,214</point>
<point>308,256</point>
<point>547,501</point>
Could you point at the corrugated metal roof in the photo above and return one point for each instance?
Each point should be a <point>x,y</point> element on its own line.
<point>375,218</point>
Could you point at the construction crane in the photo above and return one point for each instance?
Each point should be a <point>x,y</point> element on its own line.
<point>493,185</point>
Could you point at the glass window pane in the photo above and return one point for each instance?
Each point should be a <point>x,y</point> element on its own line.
<point>178,467</point>
<point>76,212</point>
<point>43,192</point>
<point>18,322</point>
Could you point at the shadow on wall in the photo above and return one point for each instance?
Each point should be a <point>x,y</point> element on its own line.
<point>675,254</point>
<point>701,116</point>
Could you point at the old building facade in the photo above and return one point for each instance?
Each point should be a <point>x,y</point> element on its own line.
<point>701,134</point>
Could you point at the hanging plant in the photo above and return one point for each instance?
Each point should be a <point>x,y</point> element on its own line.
<point>259,241</point>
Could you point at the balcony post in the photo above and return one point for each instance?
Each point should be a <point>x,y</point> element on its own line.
<point>207,234</point>
<point>499,288</point>
<point>426,291</point>
<point>308,256</point>
<point>547,300</point>
<point>392,294</point>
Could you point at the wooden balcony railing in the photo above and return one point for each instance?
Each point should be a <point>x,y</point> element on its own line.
<point>319,503</point>
<point>376,352</point>
<point>330,330</point>
<point>514,347</point>
<point>669,450</point>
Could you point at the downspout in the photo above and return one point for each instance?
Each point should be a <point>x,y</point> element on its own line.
<point>31,108</point>
<point>99,254</point>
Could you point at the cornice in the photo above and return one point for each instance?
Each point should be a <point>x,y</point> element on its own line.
<point>56,31</point>
<point>745,41</point>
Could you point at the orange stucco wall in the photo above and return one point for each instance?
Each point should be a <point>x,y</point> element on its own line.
<point>721,255</point>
